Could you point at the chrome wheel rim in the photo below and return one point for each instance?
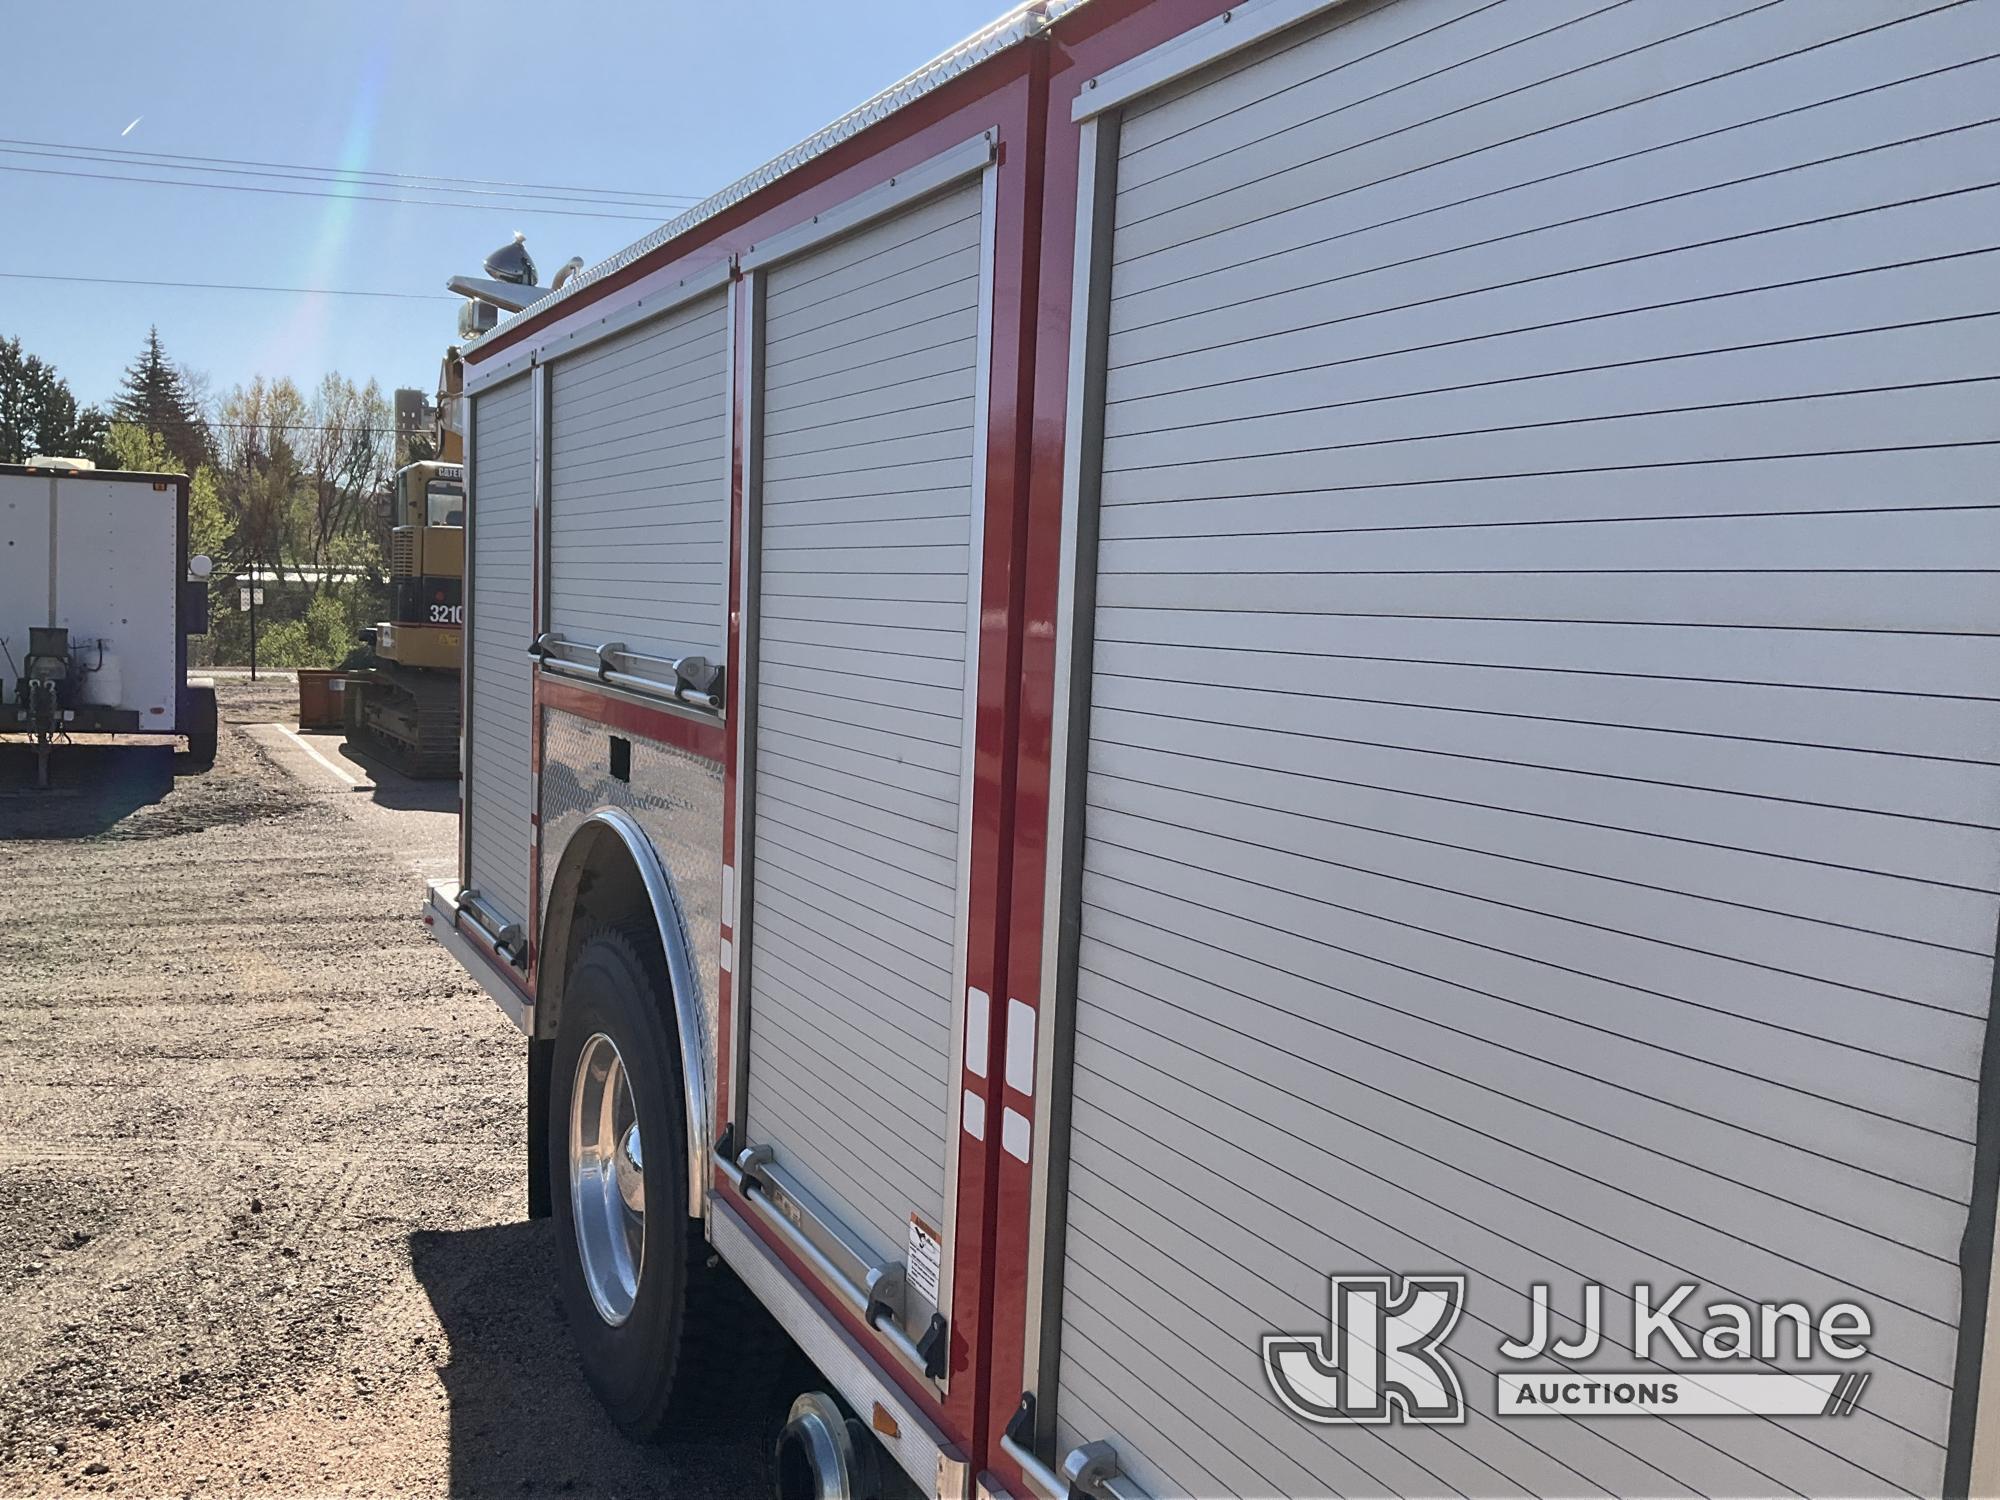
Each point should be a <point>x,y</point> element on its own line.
<point>607,1181</point>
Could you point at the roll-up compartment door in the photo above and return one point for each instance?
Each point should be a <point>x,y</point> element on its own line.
<point>499,722</point>
<point>862,664</point>
<point>1541,791</point>
<point>639,487</point>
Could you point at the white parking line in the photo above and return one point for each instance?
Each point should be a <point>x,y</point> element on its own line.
<point>294,736</point>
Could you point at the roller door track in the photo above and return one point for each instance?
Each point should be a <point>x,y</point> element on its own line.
<point>862,673</point>
<point>501,719</point>
<point>1541,795</point>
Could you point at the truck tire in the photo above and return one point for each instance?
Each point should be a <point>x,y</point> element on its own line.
<point>204,725</point>
<point>667,1334</point>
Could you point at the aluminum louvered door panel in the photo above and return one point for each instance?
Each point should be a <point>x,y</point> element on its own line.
<point>861,662</point>
<point>499,627</point>
<point>1541,796</point>
<point>639,487</point>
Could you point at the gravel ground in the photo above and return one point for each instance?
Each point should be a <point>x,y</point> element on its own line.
<point>261,1184</point>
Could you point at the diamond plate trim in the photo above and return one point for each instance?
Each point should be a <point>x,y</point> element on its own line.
<point>675,796</point>
<point>1022,22</point>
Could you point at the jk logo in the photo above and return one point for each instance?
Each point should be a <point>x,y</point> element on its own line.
<point>1385,1360</point>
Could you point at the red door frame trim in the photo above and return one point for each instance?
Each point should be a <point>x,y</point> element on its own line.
<point>1004,95</point>
<point>1083,45</point>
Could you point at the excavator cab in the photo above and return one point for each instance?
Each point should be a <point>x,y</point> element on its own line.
<point>426,569</point>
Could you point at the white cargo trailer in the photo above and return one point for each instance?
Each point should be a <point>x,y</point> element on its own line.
<point>1224,732</point>
<point>98,597</point>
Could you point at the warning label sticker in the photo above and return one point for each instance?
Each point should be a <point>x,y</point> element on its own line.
<point>926,1260</point>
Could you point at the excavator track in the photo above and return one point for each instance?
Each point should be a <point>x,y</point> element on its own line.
<point>406,717</point>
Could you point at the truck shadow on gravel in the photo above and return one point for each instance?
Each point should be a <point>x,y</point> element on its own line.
<point>522,1420</point>
<point>127,791</point>
<point>92,788</point>
<point>402,793</point>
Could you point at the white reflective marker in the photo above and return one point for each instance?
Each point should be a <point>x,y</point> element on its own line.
<point>1015,1133</point>
<point>977,1008</point>
<point>1020,1047</point>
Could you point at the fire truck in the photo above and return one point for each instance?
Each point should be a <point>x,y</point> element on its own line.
<point>1225,703</point>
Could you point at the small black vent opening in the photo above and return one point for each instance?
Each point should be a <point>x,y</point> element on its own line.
<point>621,758</point>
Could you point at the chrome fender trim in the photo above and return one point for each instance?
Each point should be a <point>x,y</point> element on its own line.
<point>681,975</point>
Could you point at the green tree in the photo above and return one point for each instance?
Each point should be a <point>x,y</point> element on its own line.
<point>208,525</point>
<point>154,395</point>
<point>295,485</point>
<point>130,446</point>
<point>259,468</point>
<point>39,415</point>
<point>299,475</point>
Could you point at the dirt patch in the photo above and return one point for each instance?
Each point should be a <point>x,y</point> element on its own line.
<point>261,1186</point>
<point>268,700</point>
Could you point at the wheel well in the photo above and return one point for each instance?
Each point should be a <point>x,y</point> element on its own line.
<point>599,883</point>
<point>606,877</point>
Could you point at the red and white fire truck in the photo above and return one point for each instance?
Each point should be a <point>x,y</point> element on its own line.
<point>1224,704</point>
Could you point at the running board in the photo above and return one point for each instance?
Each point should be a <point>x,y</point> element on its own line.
<point>505,938</point>
<point>455,920</point>
<point>873,1290</point>
<point>919,1448</point>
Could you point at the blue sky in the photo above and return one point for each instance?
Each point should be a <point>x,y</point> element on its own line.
<point>673,98</point>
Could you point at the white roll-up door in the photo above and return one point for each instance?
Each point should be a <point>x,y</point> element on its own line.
<point>862,663</point>
<point>1541,806</point>
<point>499,626</point>
<point>639,487</point>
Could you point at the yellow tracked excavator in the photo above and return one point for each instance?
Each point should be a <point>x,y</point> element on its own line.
<point>402,700</point>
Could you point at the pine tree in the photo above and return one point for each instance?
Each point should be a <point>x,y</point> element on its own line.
<point>154,395</point>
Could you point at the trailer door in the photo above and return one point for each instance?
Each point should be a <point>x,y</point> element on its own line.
<point>862,670</point>
<point>1536,761</point>
<point>499,803</point>
<point>27,530</point>
<point>116,542</point>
